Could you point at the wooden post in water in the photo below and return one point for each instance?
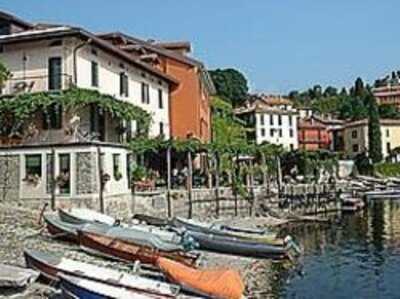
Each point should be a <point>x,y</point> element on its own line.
<point>169,203</point>
<point>53,179</point>
<point>190,183</point>
<point>101,183</point>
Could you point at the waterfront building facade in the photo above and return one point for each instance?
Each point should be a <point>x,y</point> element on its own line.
<point>81,149</point>
<point>190,113</point>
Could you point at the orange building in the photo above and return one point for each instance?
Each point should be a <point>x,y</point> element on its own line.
<point>313,135</point>
<point>190,113</point>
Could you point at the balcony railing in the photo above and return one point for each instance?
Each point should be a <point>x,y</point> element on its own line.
<point>29,84</point>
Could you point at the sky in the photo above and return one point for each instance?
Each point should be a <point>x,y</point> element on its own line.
<point>280,45</point>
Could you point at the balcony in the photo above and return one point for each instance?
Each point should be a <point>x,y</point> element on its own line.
<point>31,84</point>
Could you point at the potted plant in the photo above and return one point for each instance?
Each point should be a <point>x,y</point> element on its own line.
<point>32,179</point>
<point>118,175</point>
<point>62,179</point>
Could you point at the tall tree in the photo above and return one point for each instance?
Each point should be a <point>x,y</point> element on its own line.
<point>231,85</point>
<point>359,88</point>
<point>374,130</point>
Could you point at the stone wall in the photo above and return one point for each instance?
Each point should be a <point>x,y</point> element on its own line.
<point>86,173</point>
<point>204,204</point>
<point>9,177</point>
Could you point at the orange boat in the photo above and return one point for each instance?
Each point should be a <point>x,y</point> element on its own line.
<point>217,283</point>
<point>127,250</point>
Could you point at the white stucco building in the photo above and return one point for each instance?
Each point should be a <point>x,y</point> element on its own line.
<point>73,145</point>
<point>273,120</point>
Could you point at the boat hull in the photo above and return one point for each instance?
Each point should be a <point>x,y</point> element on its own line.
<point>51,267</point>
<point>237,246</point>
<point>89,289</point>
<point>127,250</point>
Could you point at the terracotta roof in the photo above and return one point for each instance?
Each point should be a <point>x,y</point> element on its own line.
<point>329,121</point>
<point>53,32</point>
<point>310,124</point>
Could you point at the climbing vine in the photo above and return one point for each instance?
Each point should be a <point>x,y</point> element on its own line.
<point>19,108</point>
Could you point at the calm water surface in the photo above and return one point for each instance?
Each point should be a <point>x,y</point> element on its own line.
<point>356,258</point>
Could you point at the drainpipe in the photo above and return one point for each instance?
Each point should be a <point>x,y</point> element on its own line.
<point>75,52</point>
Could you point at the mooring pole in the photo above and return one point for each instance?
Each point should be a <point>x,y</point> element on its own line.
<point>53,179</point>
<point>169,203</point>
<point>217,169</point>
<point>101,183</point>
<point>190,183</point>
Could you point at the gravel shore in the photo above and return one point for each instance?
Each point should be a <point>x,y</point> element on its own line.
<point>20,228</point>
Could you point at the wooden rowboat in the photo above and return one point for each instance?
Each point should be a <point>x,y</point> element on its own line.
<point>82,216</point>
<point>75,287</point>
<point>52,266</point>
<point>127,250</point>
<point>60,229</point>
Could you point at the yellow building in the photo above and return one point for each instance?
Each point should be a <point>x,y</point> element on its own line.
<point>356,136</point>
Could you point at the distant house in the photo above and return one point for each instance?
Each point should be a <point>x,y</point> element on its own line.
<point>356,136</point>
<point>272,119</point>
<point>75,146</point>
<point>387,90</point>
<point>318,132</point>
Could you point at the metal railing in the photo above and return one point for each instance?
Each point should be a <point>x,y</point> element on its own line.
<point>36,83</point>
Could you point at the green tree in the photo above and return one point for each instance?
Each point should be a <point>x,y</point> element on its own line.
<point>231,85</point>
<point>389,111</point>
<point>374,130</point>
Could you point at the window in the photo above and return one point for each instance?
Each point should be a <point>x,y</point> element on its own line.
<point>280,120</point>
<point>33,165</point>
<point>262,132</point>
<point>387,133</point>
<point>280,132</point>
<point>355,148</point>
<point>160,99</point>
<point>290,120</point>
<point>52,117</point>
<point>64,177</point>
<point>55,71</point>
<point>271,120</point>
<point>291,132</point>
<point>97,123</point>
<point>145,93</point>
<point>354,134</point>
<point>123,85</point>
<point>291,146</point>
<point>271,132</point>
<point>388,147</point>
<point>95,74</point>
<point>262,119</point>
<point>117,167</point>
<point>161,128</point>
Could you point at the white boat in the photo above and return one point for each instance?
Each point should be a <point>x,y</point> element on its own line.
<point>81,216</point>
<point>51,266</point>
<point>76,287</point>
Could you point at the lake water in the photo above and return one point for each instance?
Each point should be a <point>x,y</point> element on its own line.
<point>359,257</point>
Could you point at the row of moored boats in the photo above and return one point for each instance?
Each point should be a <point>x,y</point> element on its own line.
<point>169,249</point>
